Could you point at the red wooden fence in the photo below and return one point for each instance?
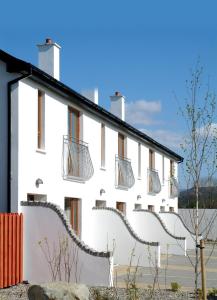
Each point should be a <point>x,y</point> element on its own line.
<point>11,249</point>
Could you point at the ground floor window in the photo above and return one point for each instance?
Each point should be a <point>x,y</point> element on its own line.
<point>73,212</point>
<point>36,197</point>
<point>171,208</point>
<point>137,206</point>
<point>162,208</point>
<point>151,207</point>
<point>100,203</point>
<point>121,206</point>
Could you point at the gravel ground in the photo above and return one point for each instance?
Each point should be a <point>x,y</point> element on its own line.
<point>20,292</point>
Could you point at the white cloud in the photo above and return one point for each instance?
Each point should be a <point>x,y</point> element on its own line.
<point>142,111</point>
<point>166,137</point>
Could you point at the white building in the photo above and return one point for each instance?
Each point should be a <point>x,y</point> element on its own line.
<point>60,146</point>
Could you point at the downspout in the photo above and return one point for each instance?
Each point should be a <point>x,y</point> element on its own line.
<point>9,90</point>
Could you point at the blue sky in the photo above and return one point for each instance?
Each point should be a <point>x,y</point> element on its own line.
<point>144,49</point>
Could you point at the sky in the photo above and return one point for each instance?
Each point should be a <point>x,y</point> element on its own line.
<point>144,49</point>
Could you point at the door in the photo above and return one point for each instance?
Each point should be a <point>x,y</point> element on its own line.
<point>121,206</point>
<point>120,145</point>
<point>74,136</point>
<point>73,212</point>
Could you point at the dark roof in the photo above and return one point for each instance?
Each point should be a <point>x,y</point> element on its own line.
<point>16,65</point>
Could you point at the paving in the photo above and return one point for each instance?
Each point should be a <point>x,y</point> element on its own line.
<point>174,268</point>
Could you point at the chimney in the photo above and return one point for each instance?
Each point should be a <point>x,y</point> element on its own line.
<point>49,58</point>
<point>92,95</point>
<point>118,105</point>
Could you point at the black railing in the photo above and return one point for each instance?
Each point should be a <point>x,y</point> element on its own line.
<point>77,163</point>
<point>124,172</point>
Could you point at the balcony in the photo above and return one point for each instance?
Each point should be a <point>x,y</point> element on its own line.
<point>77,163</point>
<point>173,187</point>
<point>124,173</point>
<point>154,185</point>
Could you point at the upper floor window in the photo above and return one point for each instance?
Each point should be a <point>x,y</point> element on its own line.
<point>163,170</point>
<point>172,169</point>
<point>121,145</point>
<point>102,145</point>
<point>151,159</point>
<point>41,120</point>
<point>73,124</point>
<point>139,160</point>
<point>151,208</point>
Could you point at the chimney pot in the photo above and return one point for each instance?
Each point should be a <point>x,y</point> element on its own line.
<point>117,94</point>
<point>49,41</point>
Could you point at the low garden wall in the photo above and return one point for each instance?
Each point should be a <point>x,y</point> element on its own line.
<point>176,226</point>
<point>149,226</point>
<point>207,221</point>
<point>46,231</point>
<point>111,231</point>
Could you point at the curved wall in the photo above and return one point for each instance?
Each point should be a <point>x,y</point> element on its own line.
<point>176,226</point>
<point>109,230</point>
<point>45,220</point>
<point>149,226</point>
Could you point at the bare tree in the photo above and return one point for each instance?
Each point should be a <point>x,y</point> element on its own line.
<point>199,144</point>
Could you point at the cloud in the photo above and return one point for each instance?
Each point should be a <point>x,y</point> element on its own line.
<point>166,137</point>
<point>141,112</point>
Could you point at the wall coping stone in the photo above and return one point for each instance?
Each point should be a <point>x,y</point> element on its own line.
<point>127,224</point>
<point>67,226</point>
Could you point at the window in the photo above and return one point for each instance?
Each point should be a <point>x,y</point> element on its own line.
<point>151,159</point>
<point>151,207</point>
<point>102,145</point>
<point>139,160</point>
<point>171,209</point>
<point>172,168</point>
<point>137,206</point>
<point>121,206</point>
<point>163,171</point>
<point>41,120</point>
<point>36,197</point>
<point>100,203</point>
<point>73,213</point>
<point>162,208</point>
<point>73,124</point>
<point>121,145</point>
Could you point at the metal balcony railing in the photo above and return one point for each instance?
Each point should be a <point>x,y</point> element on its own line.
<point>77,163</point>
<point>173,187</point>
<point>154,185</point>
<point>124,172</point>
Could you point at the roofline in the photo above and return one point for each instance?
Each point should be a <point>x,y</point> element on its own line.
<point>17,65</point>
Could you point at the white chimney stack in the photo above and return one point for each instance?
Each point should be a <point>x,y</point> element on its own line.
<point>92,95</point>
<point>49,58</point>
<point>118,105</point>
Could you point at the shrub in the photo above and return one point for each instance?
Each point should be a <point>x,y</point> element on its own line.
<point>175,287</point>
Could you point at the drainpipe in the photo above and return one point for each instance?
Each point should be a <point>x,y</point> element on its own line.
<point>9,90</point>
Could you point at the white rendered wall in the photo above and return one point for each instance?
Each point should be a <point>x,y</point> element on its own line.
<point>176,227</point>
<point>4,78</point>
<point>47,164</point>
<point>42,222</point>
<point>148,227</point>
<point>113,235</point>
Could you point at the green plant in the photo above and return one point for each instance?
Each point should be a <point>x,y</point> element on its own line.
<point>97,295</point>
<point>175,287</point>
<point>212,292</point>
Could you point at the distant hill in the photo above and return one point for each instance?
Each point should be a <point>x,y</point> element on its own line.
<point>207,198</point>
